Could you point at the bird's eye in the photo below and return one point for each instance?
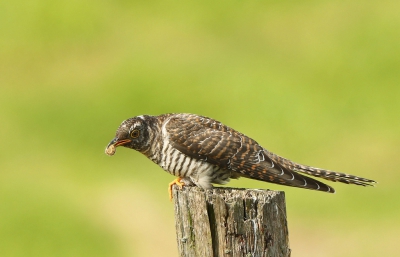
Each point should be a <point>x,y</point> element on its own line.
<point>135,133</point>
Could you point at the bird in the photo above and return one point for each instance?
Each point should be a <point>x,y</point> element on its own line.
<point>201,151</point>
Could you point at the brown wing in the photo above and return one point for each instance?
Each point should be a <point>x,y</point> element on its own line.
<point>209,140</point>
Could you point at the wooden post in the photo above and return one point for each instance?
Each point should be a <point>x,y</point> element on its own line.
<point>230,222</point>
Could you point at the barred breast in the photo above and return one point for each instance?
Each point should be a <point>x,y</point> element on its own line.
<point>194,171</point>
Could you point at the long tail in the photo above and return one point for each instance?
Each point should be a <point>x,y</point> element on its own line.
<point>333,175</point>
<point>321,173</point>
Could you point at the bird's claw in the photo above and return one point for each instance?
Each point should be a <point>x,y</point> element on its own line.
<point>177,182</point>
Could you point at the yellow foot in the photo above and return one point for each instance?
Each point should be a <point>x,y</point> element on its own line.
<point>177,182</point>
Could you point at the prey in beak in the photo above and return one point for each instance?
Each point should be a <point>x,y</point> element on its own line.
<point>111,147</point>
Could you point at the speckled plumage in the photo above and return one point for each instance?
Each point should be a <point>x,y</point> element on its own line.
<point>202,151</point>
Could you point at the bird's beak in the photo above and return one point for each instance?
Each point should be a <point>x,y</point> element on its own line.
<point>110,149</point>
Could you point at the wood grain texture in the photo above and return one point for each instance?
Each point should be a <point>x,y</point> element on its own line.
<point>231,222</point>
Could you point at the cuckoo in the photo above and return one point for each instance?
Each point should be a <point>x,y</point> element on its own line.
<point>201,151</point>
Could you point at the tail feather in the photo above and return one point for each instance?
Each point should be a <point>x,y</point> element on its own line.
<point>330,175</point>
<point>279,174</point>
<point>334,176</point>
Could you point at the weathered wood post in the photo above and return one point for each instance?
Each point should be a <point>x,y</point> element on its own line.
<point>231,222</point>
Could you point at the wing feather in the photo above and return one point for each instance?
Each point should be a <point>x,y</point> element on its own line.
<point>207,139</point>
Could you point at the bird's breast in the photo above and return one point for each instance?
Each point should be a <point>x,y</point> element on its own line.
<point>181,165</point>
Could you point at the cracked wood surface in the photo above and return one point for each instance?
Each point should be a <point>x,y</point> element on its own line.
<point>231,222</point>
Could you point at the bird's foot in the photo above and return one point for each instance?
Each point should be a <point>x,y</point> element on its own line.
<point>177,182</point>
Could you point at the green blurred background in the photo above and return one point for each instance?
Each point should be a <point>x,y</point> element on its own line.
<point>315,81</point>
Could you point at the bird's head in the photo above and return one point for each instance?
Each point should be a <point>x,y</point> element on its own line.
<point>132,133</point>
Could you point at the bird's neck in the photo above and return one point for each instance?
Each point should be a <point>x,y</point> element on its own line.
<point>152,150</point>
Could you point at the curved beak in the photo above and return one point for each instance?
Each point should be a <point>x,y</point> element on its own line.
<point>116,142</point>
<point>110,149</point>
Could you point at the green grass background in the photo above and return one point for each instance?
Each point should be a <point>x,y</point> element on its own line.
<point>315,81</point>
